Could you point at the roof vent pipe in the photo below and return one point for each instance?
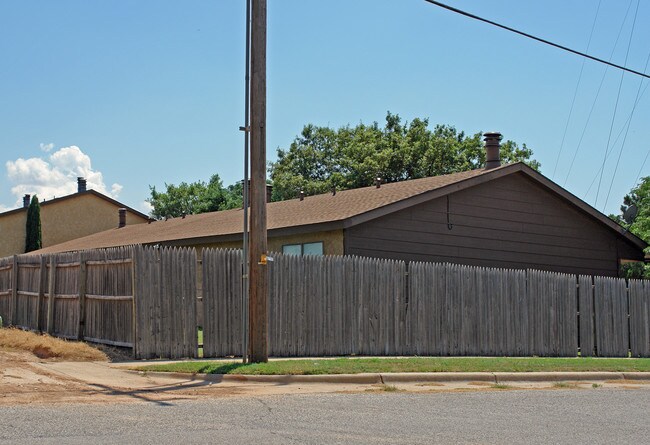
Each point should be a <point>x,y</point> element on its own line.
<point>122,215</point>
<point>26,201</point>
<point>81,185</point>
<point>378,182</point>
<point>302,195</point>
<point>492,146</point>
<point>269,192</point>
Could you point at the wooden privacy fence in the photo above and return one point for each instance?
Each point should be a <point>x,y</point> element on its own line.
<point>165,305</point>
<point>324,305</point>
<point>151,299</point>
<point>85,295</point>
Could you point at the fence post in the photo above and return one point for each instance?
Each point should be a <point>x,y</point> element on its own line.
<point>42,280</point>
<point>82,296</point>
<point>134,312</point>
<point>50,298</point>
<point>14,291</point>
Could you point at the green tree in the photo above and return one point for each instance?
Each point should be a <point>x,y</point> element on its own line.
<point>33,234</point>
<point>639,197</point>
<point>321,157</point>
<point>195,197</point>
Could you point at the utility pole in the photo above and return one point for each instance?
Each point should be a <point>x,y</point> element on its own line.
<point>259,276</point>
<point>245,186</point>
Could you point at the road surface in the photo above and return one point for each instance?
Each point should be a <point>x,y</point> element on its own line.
<point>572,416</point>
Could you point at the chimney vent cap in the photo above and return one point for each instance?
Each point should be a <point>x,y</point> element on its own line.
<point>81,184</point>
<point>492,146</point>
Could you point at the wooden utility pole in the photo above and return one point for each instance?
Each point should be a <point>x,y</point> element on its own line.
<point>259,277</point>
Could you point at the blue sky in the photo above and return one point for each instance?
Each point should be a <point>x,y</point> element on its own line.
<point>132,94</point>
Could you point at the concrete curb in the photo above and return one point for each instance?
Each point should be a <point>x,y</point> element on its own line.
<point>414,377</point>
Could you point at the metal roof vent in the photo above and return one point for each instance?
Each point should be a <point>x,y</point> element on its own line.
<point>122,218</point>
<point>492,146</point>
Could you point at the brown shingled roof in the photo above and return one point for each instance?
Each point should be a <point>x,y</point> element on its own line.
<point>319,212</point>
<point>318,209</point>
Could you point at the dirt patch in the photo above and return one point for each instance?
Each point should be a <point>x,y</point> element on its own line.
<point>627,381</point>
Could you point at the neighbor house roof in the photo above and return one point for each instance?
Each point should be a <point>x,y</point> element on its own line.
<point>50,202</point>
<point>316,213</point>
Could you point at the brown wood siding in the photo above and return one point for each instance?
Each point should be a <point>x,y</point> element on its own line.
<point>510,222</point>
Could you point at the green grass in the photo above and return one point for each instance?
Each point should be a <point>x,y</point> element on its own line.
<point>500,386</point>
<point>417,364</point>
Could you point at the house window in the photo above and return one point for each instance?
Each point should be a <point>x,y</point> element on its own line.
<point>303,249</point>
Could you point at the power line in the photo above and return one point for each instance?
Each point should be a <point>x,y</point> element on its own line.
<point>593,105</point>
<point>593,181</point>
<point>641,169</point>
<point>539,39</point>
<point>620,153</point>
<point>618,95</point>
<point>575,93</point>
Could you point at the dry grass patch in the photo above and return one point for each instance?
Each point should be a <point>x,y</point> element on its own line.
<point>480,383</point>
<point>566,385</point>
<point>628,381</point>
<point>45,347</point>
<point>383,388</point>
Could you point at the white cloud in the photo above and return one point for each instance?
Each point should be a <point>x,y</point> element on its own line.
<point>116,189</point>
<point>145,208</point>
<point>56,175</point>
<point>47,147</point>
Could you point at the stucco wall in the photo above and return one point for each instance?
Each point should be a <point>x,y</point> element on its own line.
<point>61,221</point>
<point>12,233</point>
<point>332,242</point>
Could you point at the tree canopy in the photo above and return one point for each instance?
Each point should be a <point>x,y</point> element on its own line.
<point>322,158</point>
<point>639,197</point>
<point>349,157</point>
<point>33,234</point>
<point>195,197</point>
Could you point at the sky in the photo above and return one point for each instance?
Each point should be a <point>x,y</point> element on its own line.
<point>138,94</point>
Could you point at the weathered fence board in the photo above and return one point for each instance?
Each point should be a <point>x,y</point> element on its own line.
<point>222,299</point>
<point>552,315</point>
<point>28,292</point>
<point>66,296</point>
<point>6,272</point>
<point>639,307</point>
<point>587,336</point>
<point>610,309</point>
<point>165,289</point>
<point>461,310</point>
<point>108,300</point>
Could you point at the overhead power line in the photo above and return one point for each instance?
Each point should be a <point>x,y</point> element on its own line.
<point>593,105</point>
<point>575,93</point>
<point>539,39</point>
<point>618,160</point>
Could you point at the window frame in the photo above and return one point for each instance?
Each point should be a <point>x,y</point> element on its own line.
<point>302,248</point>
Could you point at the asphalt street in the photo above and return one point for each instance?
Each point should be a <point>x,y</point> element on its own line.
<point>594,416</point>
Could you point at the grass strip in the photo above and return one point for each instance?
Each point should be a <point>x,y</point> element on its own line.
<point>415,364</point>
